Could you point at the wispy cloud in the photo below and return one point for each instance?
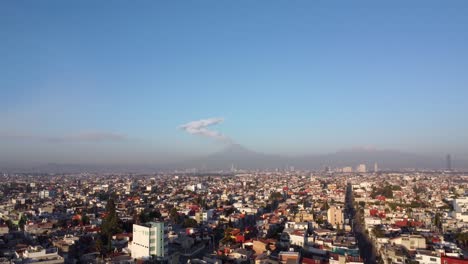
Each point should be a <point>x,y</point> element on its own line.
<point>75,137</point>
<point>200,127</point>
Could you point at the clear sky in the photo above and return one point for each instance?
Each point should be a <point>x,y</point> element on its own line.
<point>119,81</point>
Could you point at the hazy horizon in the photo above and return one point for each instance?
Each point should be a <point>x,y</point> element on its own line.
<point>236,155</point>
<point>158,82</point>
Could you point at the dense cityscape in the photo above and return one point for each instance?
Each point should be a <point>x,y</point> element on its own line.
<point>233,132</point>
<point>343,215</point>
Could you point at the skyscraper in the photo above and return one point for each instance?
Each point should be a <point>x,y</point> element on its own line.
<point>449,162</point>
<point>376,167</point>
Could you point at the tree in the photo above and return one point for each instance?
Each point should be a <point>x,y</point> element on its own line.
<point>99,245</point>
<point>75,222</point>
<point>419,189</point>
<point>189,222</point>
<point>275,196</point>
<point>437,220</point>
<point>462,238</point>
<point>294,210</point>
<point>149,215</point>
<point>22,222</point>
<point>415,204</point>
<point>174,215</point>
<point>377,232</point>
<point>9,223</point>
<point>154,214</point>
<point>386,191</point>
<point>325,206</point>
<point>319,220</point>
<point>84,219</point>
<point>111,224</point>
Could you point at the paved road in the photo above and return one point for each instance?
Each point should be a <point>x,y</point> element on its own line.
<point>366,247</point>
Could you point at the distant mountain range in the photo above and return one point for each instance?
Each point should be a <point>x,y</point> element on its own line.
<point>243,158</point>
<point>240,157</point>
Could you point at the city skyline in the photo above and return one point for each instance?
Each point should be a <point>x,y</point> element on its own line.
<point>266,132</point>
<point>128,83</point>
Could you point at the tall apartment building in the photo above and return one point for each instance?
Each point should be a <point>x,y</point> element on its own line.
<point>335,216</point>
<point>361,168</point>
<point>150,240</point>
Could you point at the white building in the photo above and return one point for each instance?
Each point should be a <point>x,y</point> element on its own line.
<point>427,257</point>
<point>297,225</point>
<point>370,222</point>
<point>410,242</point>
<point>460,209</point>
<point>150,239</point>
<point>191,187</point>
<point>44,194</point>
<point>40,255</point>
<point>361,168</point>
<point>460,205</point>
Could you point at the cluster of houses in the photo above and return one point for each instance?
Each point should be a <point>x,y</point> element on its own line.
<point>242,217</point>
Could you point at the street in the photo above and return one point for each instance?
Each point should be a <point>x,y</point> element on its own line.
<point>366,247</point>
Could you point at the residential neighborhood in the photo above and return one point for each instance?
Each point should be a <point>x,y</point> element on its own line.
<point>235,217</point>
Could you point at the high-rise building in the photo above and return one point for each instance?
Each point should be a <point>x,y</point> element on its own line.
<point>150,239</point>
<point>361,168</point>
<point>449,162</point>
<point>347,169</point>
<point>376,167</point>
<point>335,216</point>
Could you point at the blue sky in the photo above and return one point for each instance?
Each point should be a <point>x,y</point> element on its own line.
<point>113,81</point>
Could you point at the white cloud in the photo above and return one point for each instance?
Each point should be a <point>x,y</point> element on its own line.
<point>200,127</point>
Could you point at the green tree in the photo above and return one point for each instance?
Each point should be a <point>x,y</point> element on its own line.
<point>275,196</point>
<point>154,214</point>
<point>294,210</point>
<point>462,238</point>
<point>84,218</point>
<point>174,215</point>
<point>22,222</point>
<point>189,222</point>
<point>75,222</point>
<point>9,223</point>
<point>437,220</point>
<point>325,206</point>
<point>377,232</point>
<point>99,245</point>
<point>111,224</point>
